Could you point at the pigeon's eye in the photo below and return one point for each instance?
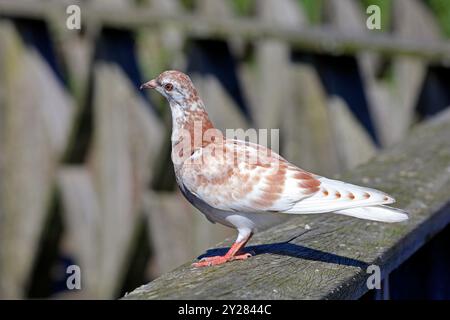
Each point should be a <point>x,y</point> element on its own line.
<point>168,86</point>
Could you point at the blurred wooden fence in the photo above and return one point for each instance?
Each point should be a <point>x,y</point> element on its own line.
<point>85,175</point>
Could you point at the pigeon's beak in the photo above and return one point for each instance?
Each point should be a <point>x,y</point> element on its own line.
<point>152,84</point>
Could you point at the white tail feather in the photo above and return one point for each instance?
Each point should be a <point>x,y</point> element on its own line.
<point>336,195</point>
<point>376,213</point>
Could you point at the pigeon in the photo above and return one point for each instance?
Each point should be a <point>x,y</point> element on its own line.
<point>247,186</point>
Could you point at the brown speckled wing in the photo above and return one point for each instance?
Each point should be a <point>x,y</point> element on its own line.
<point>245,177</point>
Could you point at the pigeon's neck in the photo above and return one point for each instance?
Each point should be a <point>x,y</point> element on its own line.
<point>191,125</point>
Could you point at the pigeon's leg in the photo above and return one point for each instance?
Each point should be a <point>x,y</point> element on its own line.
<point>232,254</point>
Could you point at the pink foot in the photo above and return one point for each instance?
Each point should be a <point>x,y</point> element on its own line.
<point>217,260</point>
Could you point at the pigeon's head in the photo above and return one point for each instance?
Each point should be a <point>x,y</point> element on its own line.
<point>175,86</point>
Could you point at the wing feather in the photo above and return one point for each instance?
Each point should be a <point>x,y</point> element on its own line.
<point>337,195</point>
<point>246,177</point>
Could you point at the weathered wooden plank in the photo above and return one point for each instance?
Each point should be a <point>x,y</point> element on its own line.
<point>125,145</point>
<point>330,261</point>
<point>221,107</point>
<point>348,16</point>
<point>170,35</point>
<point>35,128</point>
<point>112,173</point>
<point>214,8</point>
<point>313,39</point>
<point>273,61</point>
<point>307,135</point>
<point>102,200</point>
<point>353,144</point>
<point>126,142</point>
<point>394,98</point>
<point>161,48</point>
<point>82,219</point>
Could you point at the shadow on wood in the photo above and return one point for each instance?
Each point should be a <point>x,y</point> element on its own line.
<point>293,250</point>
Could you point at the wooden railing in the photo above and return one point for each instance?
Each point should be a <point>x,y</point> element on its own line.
<point>314,39</point>
<point>331,258</point>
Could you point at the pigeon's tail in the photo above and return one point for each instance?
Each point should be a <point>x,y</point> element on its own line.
<point>376,213</point>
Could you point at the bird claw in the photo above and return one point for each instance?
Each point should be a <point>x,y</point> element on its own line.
<point>210,258</point>
<point>243,256</point>
<point>210,261</point>
<point>217,260</point>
